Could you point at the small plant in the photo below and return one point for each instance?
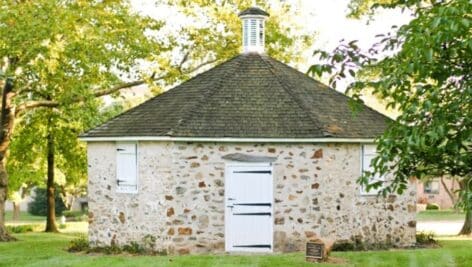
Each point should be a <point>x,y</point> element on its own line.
<point>134,248</point>
<point>343,245</point>
<point>19,229</point>
<point>79,244</point>
<point>75,216</point>
<point>149,242</point>
<point>426,239</point>
<point>432,206</point>
<point>111,250</point>
<point>62,226</point>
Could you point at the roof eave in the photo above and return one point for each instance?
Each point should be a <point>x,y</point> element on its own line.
<point>226,139</point>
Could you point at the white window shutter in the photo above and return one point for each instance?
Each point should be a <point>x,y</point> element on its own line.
<point>126,168</point>
<point>369,153</point>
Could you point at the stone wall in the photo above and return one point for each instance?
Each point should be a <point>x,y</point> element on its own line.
<point>180,199</point>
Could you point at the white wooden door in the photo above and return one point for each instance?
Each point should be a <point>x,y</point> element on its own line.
<point>249,208</point>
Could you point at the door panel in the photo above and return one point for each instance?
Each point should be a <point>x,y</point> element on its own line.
<point>249,208</point>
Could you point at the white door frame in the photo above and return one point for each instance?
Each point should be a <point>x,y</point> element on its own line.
<point>227,221</point>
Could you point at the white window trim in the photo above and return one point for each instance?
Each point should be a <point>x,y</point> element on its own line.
<point>118,190</point>
<point>362,191</point>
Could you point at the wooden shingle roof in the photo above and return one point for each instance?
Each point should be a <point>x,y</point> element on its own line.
<point>248,96</point>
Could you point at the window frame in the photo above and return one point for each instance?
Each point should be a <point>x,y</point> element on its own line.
<point>117,187</point>
<point>431,192</point>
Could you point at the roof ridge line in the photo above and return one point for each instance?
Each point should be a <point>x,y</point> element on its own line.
<point>306,76</point>
<point>286,88</point>
<point>219,83</point>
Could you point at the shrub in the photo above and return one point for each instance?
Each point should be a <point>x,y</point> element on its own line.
<point>357,244</point>
<point>426,239</point>
<point>38,205</point>
<point>149,242</point>
<point>18,229</point>
<point>77,215</point>
<point>134,248</point>
<point>79,244</point>
<point>432,206</point>
<point>110,250</point>
<point>62,226</point>
<point>343,245</point>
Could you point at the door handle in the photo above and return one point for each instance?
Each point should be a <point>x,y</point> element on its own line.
<point>230,198</point>
<point>230,206</point>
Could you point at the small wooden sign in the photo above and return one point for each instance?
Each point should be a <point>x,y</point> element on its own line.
<point>314,251</point>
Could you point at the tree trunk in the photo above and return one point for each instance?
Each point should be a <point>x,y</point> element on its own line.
<point>467,227</point>
<point>7,118</point>
<point>51,207</point>
<point>16,211</point>
<point>465,187</point>
<point>4,236</point>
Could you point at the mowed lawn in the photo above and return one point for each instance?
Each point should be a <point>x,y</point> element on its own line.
<point>440,215</point>
<point>44,249</point>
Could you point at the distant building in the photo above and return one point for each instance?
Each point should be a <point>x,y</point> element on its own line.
<point>433,191</point>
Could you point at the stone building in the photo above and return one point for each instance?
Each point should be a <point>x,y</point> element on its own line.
<point>251,155</point>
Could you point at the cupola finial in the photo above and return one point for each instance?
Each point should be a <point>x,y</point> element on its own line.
<point>253,20</point>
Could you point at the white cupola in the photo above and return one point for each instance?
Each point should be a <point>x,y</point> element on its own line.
<point>253,20</point>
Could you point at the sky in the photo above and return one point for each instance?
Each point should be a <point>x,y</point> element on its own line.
<point>326,18</point>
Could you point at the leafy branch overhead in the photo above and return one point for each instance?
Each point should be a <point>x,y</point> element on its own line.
<point>422,69</point>
<point>58,58</point>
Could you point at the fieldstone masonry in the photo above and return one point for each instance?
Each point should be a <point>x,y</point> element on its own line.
<point>180,199</point>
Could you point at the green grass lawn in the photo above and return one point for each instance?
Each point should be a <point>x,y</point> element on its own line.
<point>440,215</point>
<point>25,217</point>
<point>39,223</point>
<point>42,249</point>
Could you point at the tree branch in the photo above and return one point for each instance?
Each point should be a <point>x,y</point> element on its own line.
<point>51,103</point>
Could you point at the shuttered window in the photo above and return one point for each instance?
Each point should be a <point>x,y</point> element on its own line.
<point>253,32</point>
<point>245,32</point>
<point>368,153</point>
<point>126,167</point>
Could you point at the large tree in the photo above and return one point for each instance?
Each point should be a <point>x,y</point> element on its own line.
<point>58,54</point>
<point>423,69</point>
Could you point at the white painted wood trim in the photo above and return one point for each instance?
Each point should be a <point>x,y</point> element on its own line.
<point>229,167</point>
<point>118,190</point>
<point>228,139</point>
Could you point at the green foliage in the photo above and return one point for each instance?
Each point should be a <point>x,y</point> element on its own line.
<point>38,205</point>
<point>432,206</point>
<point>356,244</point>
<point>62,64</point>
<point>422,69</point>
<point>18,229</point>
<point>134,248</point>
<point>77,216</point>
<point>345,245</point>
<point>73,213</point>
<point>219,37</point>
<point>80,244</point>
<point>426,239</point>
